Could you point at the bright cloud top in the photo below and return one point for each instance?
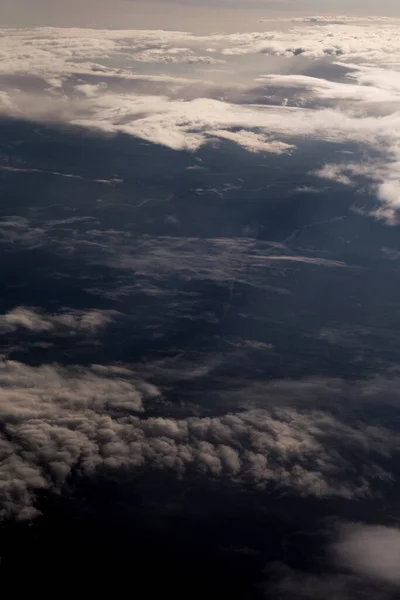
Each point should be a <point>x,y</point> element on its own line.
<point>258,90</point>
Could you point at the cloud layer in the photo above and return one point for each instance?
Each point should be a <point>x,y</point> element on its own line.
<point>58,421</point>
<point>106,80</point>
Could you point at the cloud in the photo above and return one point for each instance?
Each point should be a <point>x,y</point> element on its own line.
<point>332,19</point>
<point>254,142</point>
<point>363,564</point>
<point>335,173</point>
<point>220,259</point>
<point>323,262</point>
<point>10,169</point>
<point>289,584</point>
<point>371,551</point>
<point>57,421</point>
<point>98,79</point>
<point>353,42</point>
<point>386,186</point>
<point>175,56</point>
<point>67,322</point>
<point>311,89</point>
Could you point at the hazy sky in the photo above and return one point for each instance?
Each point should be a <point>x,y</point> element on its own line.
<point>189,14</point>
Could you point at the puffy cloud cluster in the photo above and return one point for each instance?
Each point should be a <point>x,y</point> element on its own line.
<point>356,42</point>
<point>56,421</point>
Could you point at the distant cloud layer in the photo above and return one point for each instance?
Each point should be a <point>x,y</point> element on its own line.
<point>209,88</point>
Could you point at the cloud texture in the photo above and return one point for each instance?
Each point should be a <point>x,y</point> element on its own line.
<point>57,421</point>
<point>105,80</point>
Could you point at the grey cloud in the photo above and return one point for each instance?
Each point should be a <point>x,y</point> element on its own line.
<point>219,259</point>
<point>371,551</point>
<point>288,584</point>
<point>12,169</point>
<point>390,254</point>
<point>56,421</point>
<point>67,321</point>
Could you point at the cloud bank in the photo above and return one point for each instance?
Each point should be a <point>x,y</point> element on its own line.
<point>57,421</point>
<point>105,80</point>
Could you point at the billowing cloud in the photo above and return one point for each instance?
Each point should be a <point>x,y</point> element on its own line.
<point>57,421</point>
<point>54,419</point>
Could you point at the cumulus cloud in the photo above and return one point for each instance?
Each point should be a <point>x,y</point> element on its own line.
<point>354,42</point>
<point>335,173</point>
<point>47,427</point>
<point>371,551</point>
<point>56,421</point>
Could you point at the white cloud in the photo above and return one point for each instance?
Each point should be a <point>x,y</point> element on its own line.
<point>255,142</point>
<point>90,78</point>
<point>335,173</point>
<point>354,42</point>
<point>308,88</point>
<point>310,260</point>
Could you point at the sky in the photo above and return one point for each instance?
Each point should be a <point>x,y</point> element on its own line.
<point>225,15</point>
